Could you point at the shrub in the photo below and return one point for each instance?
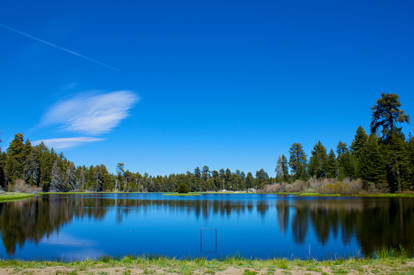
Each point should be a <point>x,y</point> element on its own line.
<point>182,188</point>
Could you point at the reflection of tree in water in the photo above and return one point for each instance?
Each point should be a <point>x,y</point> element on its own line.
<point>37,218</point>
<point>376,223</point>
<point>282,207</point>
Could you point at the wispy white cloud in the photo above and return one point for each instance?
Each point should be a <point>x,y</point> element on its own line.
<point>91,114</point>
<point>63,143</point>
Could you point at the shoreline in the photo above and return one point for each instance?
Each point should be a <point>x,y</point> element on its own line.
<point>16,196</point>
<point>154,265</point>
<point>295,194</point>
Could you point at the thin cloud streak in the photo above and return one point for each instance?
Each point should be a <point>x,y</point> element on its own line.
<point>91,114</point>
<point>64,143</point>
<point>53,45</point>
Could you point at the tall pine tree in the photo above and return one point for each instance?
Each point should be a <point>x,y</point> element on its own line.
<point>331,166</point>
<point>372,167</point>
<point>318,163</point>
<point>297,161</point>
<point>282,170</point>
<point>15,159</point>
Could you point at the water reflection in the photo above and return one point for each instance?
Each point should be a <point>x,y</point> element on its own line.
<point>374,223</point>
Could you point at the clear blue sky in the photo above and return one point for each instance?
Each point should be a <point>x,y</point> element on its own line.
<point>165,86</point>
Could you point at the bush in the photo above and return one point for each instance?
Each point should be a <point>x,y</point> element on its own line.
<point>21,186</point>
<point>182,188</point>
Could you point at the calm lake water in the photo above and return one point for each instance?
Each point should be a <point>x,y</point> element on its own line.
<point>70,227</point>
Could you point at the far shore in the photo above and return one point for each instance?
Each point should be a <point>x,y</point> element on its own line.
<point>14,196</point>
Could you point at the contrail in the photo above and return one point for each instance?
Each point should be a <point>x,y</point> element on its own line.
<point>53,45</point>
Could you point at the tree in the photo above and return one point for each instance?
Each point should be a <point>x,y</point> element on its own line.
<point>282,173</point>
<point>331,165</point>
<point>182,188</point>
<point>249,180</point>
<point>297,161</point>
<point>71,177</point>
<point>120,169</point>
<point>387,115</point>
<point>32,168</point>
<point>2,176</point>
<point>318,164</point>
<point>56,183</point>
<point>359,142</point>
<point>372,167</point>
<point>398,161</point>
<point>345,164</point>
<point>262,178</point>
<point>15,158</point>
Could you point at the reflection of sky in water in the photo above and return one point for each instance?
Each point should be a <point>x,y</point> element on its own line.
<point>247,225</point>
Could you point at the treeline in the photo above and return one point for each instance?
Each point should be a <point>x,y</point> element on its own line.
<point>44,169</point>
<point>384,158</point>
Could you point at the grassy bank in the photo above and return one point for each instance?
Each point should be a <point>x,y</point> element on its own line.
<point>379,195</point>
<point>12,196</point>
<point>132,265</point>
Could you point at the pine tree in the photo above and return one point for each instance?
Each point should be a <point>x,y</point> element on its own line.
<point>2,175</point>
<point>282,173</point>
<point>344,161</point>
<point>398,161</point>
<point>410,150</point>
<point>262,178</point>
<point>331,166</point>
<point>318,163</point>
<point>15,159</point>
<point>71,177</point>
<point>297,161</point>
<point>372,167</point>
<point>32,168</point>
<point>56,183</point>
<point>387,115</point>
<point>360,140</point>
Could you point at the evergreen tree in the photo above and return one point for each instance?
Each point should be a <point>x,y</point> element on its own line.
<point>71,177</point>
<point>249,180</point>
<point>387,115</point>
<point>2,176</point>
<point>398,162</point>
<point>297,161</point>
<point>282,173</point>
<point>410,149</point>
<point>15,158</point>
<point>344,161</point>
<point>318,163</point>
<point>372,167</point>
<point>359,142</point>
<point>331,166</point>
<point>32,168</point>
<point>56,183</point>
<point>262,178</point>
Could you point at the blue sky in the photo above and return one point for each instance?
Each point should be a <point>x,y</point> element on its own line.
<point>222,83</point>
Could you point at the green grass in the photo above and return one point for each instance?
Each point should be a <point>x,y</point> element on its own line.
<point>13,196</point>
<point>318,195</point>
<point>181,194</point>
<point>395,264</point>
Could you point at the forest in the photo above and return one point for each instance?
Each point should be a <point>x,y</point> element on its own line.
<point>381,159</point>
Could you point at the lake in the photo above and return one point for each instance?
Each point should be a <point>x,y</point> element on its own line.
<point>71,227</point>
